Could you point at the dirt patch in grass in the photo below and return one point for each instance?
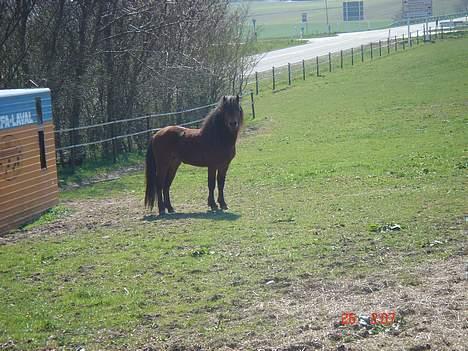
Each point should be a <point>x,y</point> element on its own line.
<point>428,316</point>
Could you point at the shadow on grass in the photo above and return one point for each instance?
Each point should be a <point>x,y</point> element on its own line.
<point>214,215</point>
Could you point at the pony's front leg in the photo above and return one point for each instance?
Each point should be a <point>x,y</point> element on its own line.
<point>211,188</point>
<point>221,180</point>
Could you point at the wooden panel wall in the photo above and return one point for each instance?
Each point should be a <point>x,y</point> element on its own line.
<point>26,189</point>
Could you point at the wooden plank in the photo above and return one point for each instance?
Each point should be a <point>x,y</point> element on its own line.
<point>33,165</point>
<point>19,216</point>
<point>31,176</point>
<point>20,213</point>
<point>23,158</point>
<point>24,200</point>
<point>49,155</point>
<point>27,206</point>
<point>47,127</point>
<point>30,143</point>
<point>27,186</point>
<point>7,176</point>
<point>26,138</point>
<point>5,227</point>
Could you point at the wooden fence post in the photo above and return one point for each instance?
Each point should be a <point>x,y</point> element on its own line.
<point>371,52</point>
<point>341,59</point>
<point>388,46</point>
<point>114,146</point>
<point>256,83</point>
<point>303,70</point>
<point>403,40</point>
<point>148,126</point>
<point>289,73</point>
<point>380,47</point>
<point>273,77</point>
<point>253,104</point>
<point>362,53</point>
<point>318,68</point>
<point>329,62</point>
<point>352,56</point>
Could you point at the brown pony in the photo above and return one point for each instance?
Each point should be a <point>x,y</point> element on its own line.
<point>212,146</point>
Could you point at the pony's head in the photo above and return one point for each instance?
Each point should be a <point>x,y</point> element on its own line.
<point>232,113</point>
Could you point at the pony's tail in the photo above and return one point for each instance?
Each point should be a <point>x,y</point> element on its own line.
<point>150,175</point>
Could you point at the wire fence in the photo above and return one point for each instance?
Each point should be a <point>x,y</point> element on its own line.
<point>137,130</point>
<point>283,76</point>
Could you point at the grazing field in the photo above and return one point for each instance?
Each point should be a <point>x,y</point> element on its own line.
<point>283,18</point>
<point>320,176</point>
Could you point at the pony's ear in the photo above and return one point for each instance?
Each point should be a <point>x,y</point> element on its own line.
<point>237,98</point>
<point>224,99</point>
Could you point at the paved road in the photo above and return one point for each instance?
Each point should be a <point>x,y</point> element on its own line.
<point>322,46</point>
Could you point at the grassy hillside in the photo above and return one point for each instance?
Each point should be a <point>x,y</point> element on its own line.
<point>283,19</point>
<point>327,165</point>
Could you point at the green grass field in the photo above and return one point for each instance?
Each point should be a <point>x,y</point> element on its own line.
<point>279,19</point>
<point>325,164</point>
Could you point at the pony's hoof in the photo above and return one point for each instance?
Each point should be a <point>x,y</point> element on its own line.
<point>162,213</point>
<point>223,206</point>
<point>170,209</point>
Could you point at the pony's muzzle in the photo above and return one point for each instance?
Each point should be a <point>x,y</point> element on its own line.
<point>234,125</point>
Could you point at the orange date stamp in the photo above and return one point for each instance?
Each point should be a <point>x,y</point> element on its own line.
<point>375,318</point>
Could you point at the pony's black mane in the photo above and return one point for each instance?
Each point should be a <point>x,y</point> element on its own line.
<point>214,128</point>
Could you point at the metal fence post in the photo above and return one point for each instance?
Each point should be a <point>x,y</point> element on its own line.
<point>318,69</point>
<point>362,53</point>
<point>289,73</point>
<point>396,43</point>
<point>352,56</point>
<point>417,37</point>
<point>256,83</point>
<point>329,62</point>
<point>388,46</point>
<point>274,78</point>
<point>430,34</point>
<point>380,47</point>
<point>403,40</point>
<point>441,32</point>
<point>371,51</point>
<point>253,104</point>
<point>303,70</point>
<point>341,59</point>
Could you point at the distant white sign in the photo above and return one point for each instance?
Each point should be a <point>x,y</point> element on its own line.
<point>417,8</point>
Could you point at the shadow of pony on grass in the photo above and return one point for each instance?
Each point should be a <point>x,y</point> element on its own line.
<point>212,215</point>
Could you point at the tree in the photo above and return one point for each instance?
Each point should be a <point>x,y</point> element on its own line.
<point>107,60</point>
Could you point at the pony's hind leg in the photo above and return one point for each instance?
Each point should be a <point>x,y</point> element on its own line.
<point>169,178</point>
<point>161,181</point>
